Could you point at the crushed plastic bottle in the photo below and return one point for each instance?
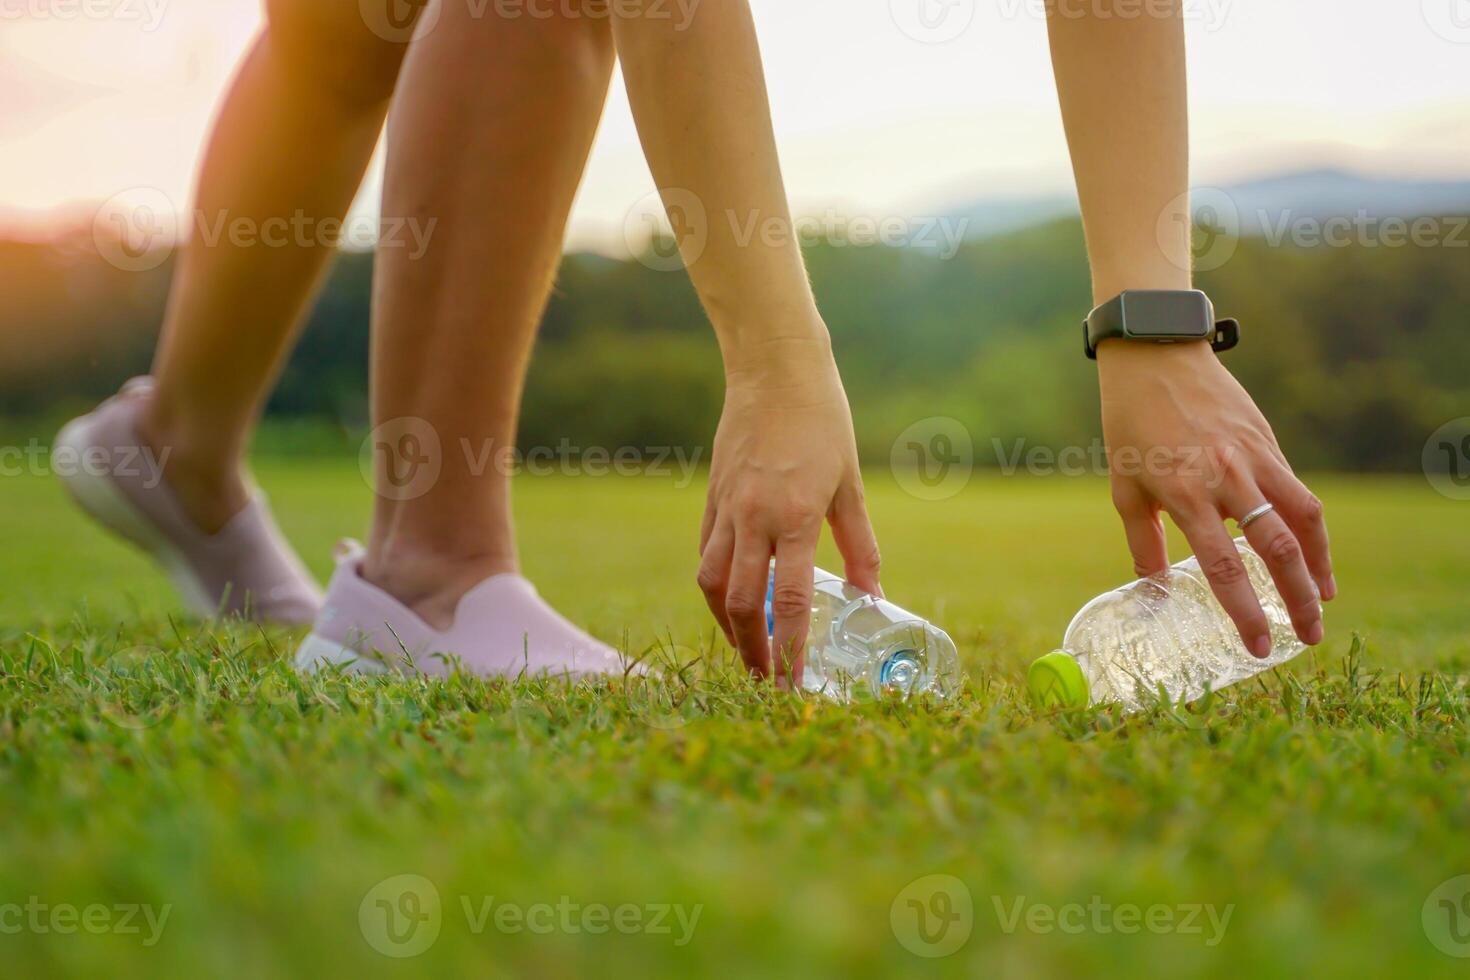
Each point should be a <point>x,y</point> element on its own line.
<point>1166,633</point>
<point>863,645</point>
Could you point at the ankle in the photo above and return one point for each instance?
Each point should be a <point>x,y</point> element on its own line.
<point>431,583</point>
<point>211,485</point>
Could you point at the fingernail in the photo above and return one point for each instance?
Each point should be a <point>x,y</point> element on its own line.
<point>1315,633</point>
<point>1331,591</point>
<point>1262,647</point>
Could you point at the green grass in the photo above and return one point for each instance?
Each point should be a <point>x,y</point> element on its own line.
<point>148,759</point>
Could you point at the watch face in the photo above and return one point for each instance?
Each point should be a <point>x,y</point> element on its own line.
<point>1164,313</point>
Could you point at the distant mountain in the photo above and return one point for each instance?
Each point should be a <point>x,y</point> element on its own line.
<point>1262,204</point>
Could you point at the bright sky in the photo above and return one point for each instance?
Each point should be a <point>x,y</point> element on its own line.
<point>873,115</point>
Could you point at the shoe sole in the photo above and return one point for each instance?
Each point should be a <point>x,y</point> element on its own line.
<point>96,494</point>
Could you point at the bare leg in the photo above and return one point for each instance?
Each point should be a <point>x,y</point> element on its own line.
<point>293,137</point>
<point>505,139</point>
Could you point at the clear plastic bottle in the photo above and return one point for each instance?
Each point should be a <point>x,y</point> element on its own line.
<point>1166,632</point>
<point>861,645</point>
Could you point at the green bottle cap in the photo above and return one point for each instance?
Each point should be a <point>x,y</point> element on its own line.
<point>1056,680</point>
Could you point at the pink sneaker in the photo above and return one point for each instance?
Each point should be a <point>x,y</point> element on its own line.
<point>246,569</point>
<point>502,628</point>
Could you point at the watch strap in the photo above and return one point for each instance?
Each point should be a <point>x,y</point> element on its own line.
<point>1109,320</point>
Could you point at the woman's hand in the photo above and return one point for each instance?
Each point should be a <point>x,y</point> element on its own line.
<point>1183,436</point>
<point>784,458</point>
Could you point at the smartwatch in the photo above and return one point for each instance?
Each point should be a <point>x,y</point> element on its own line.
<point>1160,316</point>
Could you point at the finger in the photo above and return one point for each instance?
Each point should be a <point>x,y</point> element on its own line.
<point>1226,572</point>
<point>853,534</point>
<point>1145,532</point>
<point>714,574</point>
<point>791,603</point>
<point>1279,549</point>
<point>707,524</point>
<point>745,600</point>
<point>1302,511</point>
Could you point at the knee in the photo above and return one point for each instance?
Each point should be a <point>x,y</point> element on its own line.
<point>332,48</point>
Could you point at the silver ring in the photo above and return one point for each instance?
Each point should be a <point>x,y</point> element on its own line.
<point>1254,516</point>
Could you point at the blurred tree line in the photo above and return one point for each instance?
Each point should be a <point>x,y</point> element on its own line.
<point>1355,354</point>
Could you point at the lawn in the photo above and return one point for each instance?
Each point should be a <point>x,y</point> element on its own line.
<point>176,802</point>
